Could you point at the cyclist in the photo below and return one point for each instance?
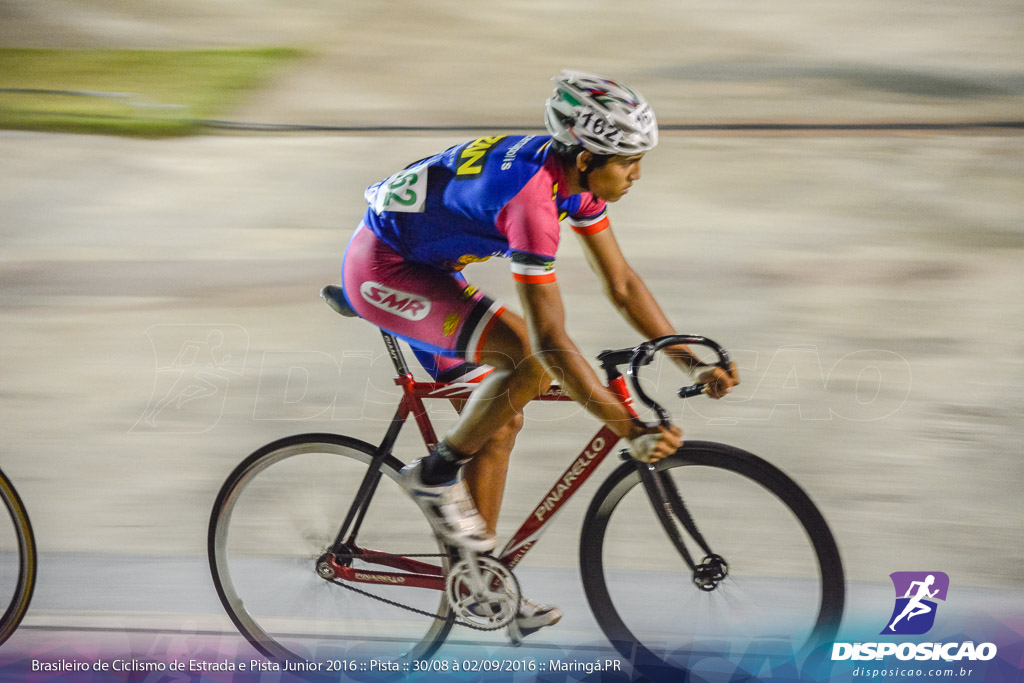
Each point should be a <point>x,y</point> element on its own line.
<point>505,196</point>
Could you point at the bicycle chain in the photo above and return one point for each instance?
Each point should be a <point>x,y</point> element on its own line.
<point>410,608</point>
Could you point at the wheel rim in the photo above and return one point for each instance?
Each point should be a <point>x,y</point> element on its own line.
<point>266,570</point>
<point>766,596</point>
<point>18,556</point>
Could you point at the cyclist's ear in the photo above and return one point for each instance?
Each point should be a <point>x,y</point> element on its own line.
<point>583,160</point>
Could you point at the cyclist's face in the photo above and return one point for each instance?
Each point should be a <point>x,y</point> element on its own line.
<point>611,181</point>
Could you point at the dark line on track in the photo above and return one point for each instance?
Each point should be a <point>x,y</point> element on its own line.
<point>683,127</point>
<point>879,126</point>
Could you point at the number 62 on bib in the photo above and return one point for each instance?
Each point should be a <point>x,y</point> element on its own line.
<point>404,191</point>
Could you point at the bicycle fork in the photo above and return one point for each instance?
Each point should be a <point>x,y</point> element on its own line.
<point>668,507</point>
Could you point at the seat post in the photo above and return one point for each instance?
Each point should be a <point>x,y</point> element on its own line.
<point>391,342</point>
<point>336,299</point>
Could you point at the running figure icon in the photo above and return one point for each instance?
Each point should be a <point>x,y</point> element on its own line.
<point>916,593</point>
<point>915,607</point>
<point>195,365</point>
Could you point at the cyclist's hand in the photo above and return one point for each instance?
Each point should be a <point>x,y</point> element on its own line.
<point>718,382</point>
<point>656,444</point>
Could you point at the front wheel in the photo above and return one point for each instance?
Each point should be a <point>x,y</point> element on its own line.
<point>779,575</point>
<point>274,522</point>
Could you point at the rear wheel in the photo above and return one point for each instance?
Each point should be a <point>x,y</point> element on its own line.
<point>777,575</point>
<point>275,518</point>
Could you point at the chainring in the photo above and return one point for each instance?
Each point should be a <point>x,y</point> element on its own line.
<point>500,600</point>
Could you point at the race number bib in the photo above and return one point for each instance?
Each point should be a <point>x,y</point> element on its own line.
<point>404,191</point>
<point>599,126</point>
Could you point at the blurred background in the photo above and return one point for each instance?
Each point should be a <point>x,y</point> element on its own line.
<point>828,200</point>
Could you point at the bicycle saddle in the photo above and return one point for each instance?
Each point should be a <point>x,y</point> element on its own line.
<point>335,298</point>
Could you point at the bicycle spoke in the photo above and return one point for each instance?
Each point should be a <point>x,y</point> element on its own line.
<point>279,515</point>
<point>772,581</point>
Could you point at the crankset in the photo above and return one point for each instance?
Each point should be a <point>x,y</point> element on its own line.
<point>483,592</point>
<point>498,590</point>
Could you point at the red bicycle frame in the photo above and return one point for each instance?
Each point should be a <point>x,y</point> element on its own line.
<point>415,573</point>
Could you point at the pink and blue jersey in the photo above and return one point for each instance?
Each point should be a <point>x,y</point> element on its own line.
<point>493,196</point>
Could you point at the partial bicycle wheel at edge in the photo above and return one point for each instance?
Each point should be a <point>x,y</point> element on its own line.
<point>278,512</point>
<point>17,549</point>
<point>785,579</point>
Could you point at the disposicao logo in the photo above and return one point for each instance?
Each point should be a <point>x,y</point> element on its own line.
<point>916,593</point>
<point>914,614</point>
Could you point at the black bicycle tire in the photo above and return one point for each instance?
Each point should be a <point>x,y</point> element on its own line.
<point>27,560</point>
<point>441,626</point>
<point>738,461</point>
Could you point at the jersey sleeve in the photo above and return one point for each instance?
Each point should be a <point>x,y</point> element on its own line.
<point>532,269</point>
<point>591,217</point>
<point>530,222</point>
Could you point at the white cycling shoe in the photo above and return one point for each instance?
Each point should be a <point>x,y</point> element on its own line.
<point>532,617</point>
<point>450,510</point>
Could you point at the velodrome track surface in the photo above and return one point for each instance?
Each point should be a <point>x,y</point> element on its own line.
<point>856,322</point>
<point>869,285</point>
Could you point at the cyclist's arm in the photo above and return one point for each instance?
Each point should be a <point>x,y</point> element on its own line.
<point>634,301</point>
<point>545,320</point>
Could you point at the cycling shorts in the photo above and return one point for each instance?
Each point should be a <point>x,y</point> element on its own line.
<point>444,318</point>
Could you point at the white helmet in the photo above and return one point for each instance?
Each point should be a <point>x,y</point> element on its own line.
<point>603,116</point>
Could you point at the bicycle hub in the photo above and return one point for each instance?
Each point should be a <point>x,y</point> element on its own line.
<point>710,572</point>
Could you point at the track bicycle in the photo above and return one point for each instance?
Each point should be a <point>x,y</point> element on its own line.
<point>314,543</point>
<point>17,560</point>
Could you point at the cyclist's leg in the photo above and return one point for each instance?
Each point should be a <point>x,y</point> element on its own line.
<point>485,474</point>
<point>474,328</point>
<point>438,311</point>
<point>517,378</point>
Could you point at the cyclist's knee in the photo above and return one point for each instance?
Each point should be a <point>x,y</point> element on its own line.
<point>507,345</point>
<point>510,429</point>
<point>530,371</point>
<point>507,348</point>
<point>500,444</point>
